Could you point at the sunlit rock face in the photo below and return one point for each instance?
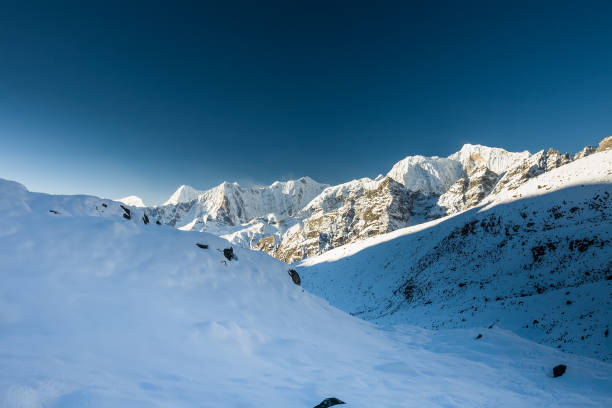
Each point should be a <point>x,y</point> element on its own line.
<point>466,192</point>
<point>587,150</point>
<point>346,213</point>
<point>497,160</point>
<point>605,144</point>
<point>533,166</point>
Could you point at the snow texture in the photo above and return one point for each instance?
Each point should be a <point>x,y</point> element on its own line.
<point>429,175</point>
<point>495,159</point>
<point>98,310</point>
<point>229,204</point>
<point>133,201</point>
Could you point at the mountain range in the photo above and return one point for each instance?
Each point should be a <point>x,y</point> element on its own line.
<point>297,219</point>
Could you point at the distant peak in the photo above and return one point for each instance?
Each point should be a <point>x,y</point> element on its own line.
<point>495,159</point>
<point>183,194</point>
<point>133,201</point>
<point>426,174</point>
<point>301,180</point>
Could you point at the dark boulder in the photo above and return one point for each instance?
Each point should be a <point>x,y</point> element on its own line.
<point>127,214</point>
<point>54,212</point>
<point>145,219</point>
<point>157,222</point>
<point>559,370</point>
<point>203,246</point>
<point>328,402</point>
<point>538,252</point>
<point>229,253</point>
<point>295,276</point>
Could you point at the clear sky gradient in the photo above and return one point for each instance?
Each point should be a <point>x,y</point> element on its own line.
<point>114,99</point>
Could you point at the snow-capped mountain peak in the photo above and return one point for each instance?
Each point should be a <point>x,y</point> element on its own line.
<point>183,194</point>
<point>494,158</point>
<point>429,175</point>
<point>133,201</point>
<point>230,204</point>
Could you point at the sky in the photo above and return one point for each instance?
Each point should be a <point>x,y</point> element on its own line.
<point>115,99</point>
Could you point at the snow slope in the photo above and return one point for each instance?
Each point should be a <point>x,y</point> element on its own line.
<point>100,311</point>
<point>536,260</point>
<point>184,194</point>
<point>495,159</point>
<point>429,175</point>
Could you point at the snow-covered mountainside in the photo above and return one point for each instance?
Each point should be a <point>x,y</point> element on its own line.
<point>229,204</point>
<point>100,309</point>
<point>133,201</point>
<point>429,175</point>
<point>535,259</point>
<point>184,194</point>
<point>495,159</point>
<point>465,193</point>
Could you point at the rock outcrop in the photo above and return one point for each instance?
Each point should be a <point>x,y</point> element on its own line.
<point>540,162</point>
<point>605,144</point>
<point>466,192</point>
<point>346,213</point>
<point>587,150</point>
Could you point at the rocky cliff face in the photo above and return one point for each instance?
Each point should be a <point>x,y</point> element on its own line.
<point>466,192</point>
<point>587,150</point>
<point>531,167</point>
<point>343,214</point>
<point>605,144</point>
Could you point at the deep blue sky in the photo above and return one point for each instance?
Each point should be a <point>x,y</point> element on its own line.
<point>115,99</point>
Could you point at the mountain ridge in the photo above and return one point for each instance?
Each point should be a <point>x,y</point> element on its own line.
<point>428,187</point>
